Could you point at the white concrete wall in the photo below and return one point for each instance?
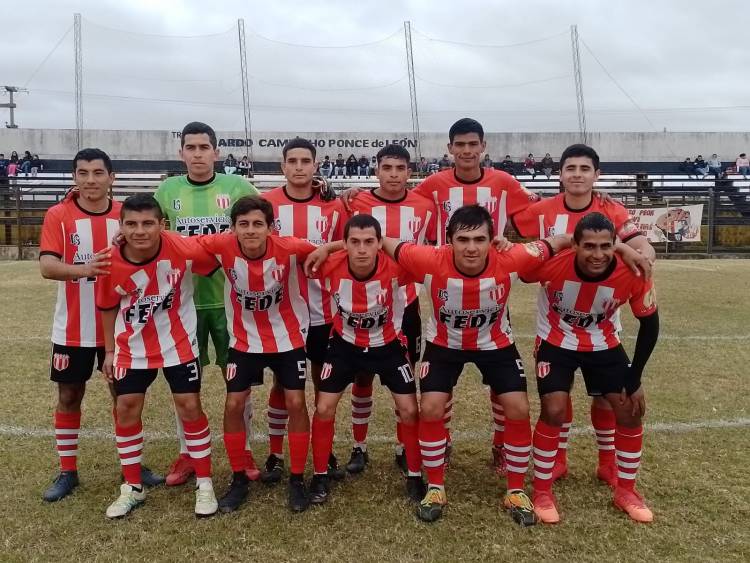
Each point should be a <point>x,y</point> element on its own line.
<point>163,145</point>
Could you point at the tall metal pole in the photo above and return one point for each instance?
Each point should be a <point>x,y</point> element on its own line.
<point>579,84</point>
<point>412,90</point>
<point>245,90</point>
<point>79,79</point>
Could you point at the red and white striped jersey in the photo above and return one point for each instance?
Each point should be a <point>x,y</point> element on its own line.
<point>551,216</point>
<point>499,192</point>
<point>409,219</point>
<point>156,322</point>
<point>580,313</point>
<point>74,236</point>
<point>318,222</point>
<point>469,312</point>
<point>368,316</point>
<point>265,310</point>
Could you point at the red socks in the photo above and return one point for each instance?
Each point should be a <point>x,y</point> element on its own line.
<point>517,447</point>
<point>234,442</point>
<point>277,419</point>
<point>498,418</point>
<point>322,443</point>
<point>129,447</point>
<point>361,410</point>
<point>603,421</point>
<point>67,427</point>
<point>410,436</point>
<point>299,446</point>
<point>433,440</point>
<point>198,438</point>
<point>546,438</point>
<point>628,445</point>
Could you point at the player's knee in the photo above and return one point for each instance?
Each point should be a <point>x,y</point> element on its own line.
<point>234,404</point>
<point>325,411</point>
<point>69,397</point>
<point>432,410</point>
<point>189,406</point>
<point>409,414</point>
<point>553,412</point>
<point>295,403</point>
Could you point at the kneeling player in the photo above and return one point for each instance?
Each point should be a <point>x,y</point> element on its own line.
<point>149,322</point>
<point>468,283</point>
<point>363,281</point>
<point>577,327</point>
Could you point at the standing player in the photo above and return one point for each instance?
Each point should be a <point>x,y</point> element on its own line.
<point>579,170</point>
<point>364,283</point>
<point>577,327</point>
<point>149,322</point>
<point>407,217</point>
<point>469,283</point>
<point>267,317</point>
<point>301,212</point>
<point>197,204</point>
<point>74,250</point>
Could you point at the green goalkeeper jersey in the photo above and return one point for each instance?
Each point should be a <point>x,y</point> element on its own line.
<point>198,209</point>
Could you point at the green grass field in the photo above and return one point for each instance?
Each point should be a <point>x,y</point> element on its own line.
<point>694,472</point>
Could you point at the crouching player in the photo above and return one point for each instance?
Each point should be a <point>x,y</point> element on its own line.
<point>363,281</point>
<point>149,322</point>
<point>577,327</point>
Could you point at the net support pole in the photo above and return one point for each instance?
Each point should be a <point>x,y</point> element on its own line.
<point>412,91</point>
<point>245,91</point>
<point>78,52</point>
<point>579,84</point>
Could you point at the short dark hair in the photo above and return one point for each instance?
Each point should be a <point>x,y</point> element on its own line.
<point>741,154</point>
<point>362,221</point>
<point>141,202</point>
<point>249,203</point>
<point>299,143</point>
<point>465,126</point>
<point>394,151</point>
<point>470,217</point>
<point>580,149</point>
<point>593,222</point>
<point>92,154</point>
<point>198,128</point>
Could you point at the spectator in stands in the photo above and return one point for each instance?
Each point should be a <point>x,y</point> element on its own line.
<point>326,167</point>
<point>364,167</point>
<point>529,165</point>
<point>230,164</point>
<point>547,165</point>
<point>434,167</point>
<point>700,166</point>
<point>423,166</point>
<point>445,162</point>
<point>14,157</point>
<point>25,164</point>
<point>742,164</point>
<point>373,166</point>
<point>340,168</point>
<point>244,166</point>
<point>714,165</point>
<point>36,165</point>
<point>507,165</point>
<point>686,167</point>
<point>487,162</point>
<point>3,165</point>
<point>351,165</point>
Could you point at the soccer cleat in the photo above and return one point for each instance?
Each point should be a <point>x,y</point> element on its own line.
<point>334,471</point>
<point>129,499</point>
<point>236,494</point>
<point>521,508</point>
<point>431,506</point>
<point>608,474</point>
<point>319,489</point>
<point>205,500</point>
<point>298,497</point>
<point>416,488</point>
<point>401,462</point>
<point>498,461</point>
<point>631,502</point>
<point>358,461</point>
<point>545,507</point>
<point>559,471</point>
<point>62,486</point>
<point>251,469</point>
<point>180,471</point>
<point>149,478</point>
<point>274,470</point>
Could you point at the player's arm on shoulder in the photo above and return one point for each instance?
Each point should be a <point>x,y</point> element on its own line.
<point>416,259</point>
<point>204,261</point>
<point>640,264</point>
<point>53,268</point>
<point>526,258</point>
<point>315,257</point>
<point>640,244</point>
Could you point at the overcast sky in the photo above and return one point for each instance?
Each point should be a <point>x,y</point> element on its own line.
<point>341,65</point>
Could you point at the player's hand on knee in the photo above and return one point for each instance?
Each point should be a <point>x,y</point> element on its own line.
<point>638,402</point>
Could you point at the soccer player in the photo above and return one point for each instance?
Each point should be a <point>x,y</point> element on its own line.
<point>363,282</point>
<point>407,217</point>
<point>267,317</point>
<point>579,170</point>
<point>195,204</point>
<point>74,251</point>
<point>301,212</point>
<point>468,283</point>
<point>149,322</point>
<point>577,327</point>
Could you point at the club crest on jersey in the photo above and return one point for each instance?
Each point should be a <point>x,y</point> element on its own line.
<point>447,206</point>
<point>414,224</point>
<point>326,372</point>
<point>60,361</point>
<point>424,369</point>
<point>232,273</point>
<point>321,223</point>
<point>542,369</point>
<point>278,273</point>
<point>177,204</point>
<point>120,373</point>
<point>277,225</point>
<point>382,297</point>
<point>75,240</point>
<point>443,294</point>
<point>223,201</point>
<point>173,277</point>
<point>490,204</point>
<point>497,293</point>
<point>231,371</point>
<point>534,248</point>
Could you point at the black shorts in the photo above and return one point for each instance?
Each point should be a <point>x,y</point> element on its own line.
<point>316,343</point>
<point>74,364</point>
<point>501,369</point>
<point>345,360</point>
<point>182,378</point>
<point>245,369</point>
<point>411,326</point>
<point>603,372</point>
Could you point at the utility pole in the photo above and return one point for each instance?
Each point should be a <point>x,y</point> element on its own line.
<point>579,84</point>
<point>11,105</point>
<point>245,91</point>
<point>78,51</point>
<point>412,89</point>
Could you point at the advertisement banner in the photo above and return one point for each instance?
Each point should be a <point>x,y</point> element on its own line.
<point>672,224</point>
